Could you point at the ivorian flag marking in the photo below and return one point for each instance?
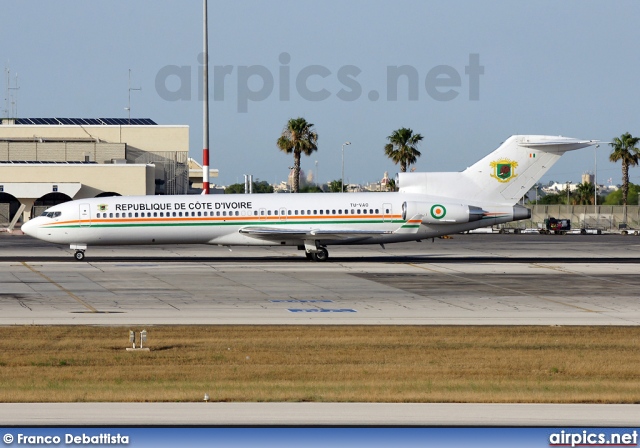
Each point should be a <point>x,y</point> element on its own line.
<point>438,211</point>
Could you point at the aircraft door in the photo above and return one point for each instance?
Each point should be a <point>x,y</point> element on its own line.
<point>387,213</point>
<point>85,215</point>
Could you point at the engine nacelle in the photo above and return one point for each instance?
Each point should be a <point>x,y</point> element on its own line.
<point>442,213</point>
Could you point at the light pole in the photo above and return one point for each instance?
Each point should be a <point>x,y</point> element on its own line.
<point>317,176</point>
<point>568,191</point>
<point>595,183</point>
<point>343,145</point>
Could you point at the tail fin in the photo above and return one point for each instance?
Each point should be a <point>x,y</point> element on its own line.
<point>503,176</point>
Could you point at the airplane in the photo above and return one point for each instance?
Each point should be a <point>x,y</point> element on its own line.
<point>426,205</point>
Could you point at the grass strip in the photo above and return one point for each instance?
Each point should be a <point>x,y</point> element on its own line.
<point>322,364</point>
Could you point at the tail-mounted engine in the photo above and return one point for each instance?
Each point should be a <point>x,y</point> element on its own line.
<point>441,213</point>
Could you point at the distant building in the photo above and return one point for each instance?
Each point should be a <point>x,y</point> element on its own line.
<point>46,161</point>
<point>587,178</point>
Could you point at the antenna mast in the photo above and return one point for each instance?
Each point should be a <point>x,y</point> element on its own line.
<point>130,89</point>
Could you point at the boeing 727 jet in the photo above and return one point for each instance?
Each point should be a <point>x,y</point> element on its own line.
<point>427,205</point>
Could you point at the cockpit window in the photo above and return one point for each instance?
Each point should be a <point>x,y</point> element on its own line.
<point>51,214</point>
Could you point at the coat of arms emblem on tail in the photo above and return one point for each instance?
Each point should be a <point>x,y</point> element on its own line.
<point>504,170</point>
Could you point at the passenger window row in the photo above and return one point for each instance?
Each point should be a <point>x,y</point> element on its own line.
<point>230,213</point>
<point>165,214</point>
<point>320,212</point>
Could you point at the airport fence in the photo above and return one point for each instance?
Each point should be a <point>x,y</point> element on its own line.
<point>604,217</point>
<point>5,213</point>
<point>172,169</point>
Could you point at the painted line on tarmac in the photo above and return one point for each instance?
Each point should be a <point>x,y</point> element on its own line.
<point>321,310</point>
<point>558,302</point>
<point>568,271</point>
<point>62,288</point>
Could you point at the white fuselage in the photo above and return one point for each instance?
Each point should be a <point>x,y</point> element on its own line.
<point>218,219</point>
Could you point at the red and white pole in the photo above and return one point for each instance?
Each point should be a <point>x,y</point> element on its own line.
<point>205,112</point>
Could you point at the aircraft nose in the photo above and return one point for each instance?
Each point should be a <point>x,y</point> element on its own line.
<point>29,228</point>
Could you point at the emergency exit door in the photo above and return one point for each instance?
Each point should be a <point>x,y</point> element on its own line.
<point>85,215</point>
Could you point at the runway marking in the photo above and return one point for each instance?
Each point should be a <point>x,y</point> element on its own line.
<point>505,288</point>
<point>62,288</point>
<point>321,310</point>
<point>567,271</point>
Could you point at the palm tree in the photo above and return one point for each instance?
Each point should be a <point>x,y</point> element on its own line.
<point>298,137</point>
<point>624,149</point>
<point>402,147</point>
<point>584,194</point>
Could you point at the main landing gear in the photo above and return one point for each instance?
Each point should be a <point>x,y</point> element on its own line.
<point>321,254</point>
<point>79,255</point>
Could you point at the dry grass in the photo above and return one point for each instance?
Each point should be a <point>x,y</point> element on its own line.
<point>329,364</point>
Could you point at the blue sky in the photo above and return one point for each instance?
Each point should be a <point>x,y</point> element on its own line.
<point>561,68</point>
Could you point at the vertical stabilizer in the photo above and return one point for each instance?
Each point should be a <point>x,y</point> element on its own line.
<point>502,177</point>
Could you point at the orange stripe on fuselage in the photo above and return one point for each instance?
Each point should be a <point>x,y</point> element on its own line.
<point>259,218</point>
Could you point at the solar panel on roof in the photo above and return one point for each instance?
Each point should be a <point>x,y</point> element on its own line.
<point>86,121</point>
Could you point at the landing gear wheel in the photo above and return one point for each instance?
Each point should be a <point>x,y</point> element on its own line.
<point>79,255</point>
<point>321,255</point>
<point>309,255</point>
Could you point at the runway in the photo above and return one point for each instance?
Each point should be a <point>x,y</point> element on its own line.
<point>467,280</point>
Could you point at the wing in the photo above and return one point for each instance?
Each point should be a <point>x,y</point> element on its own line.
<point>278,234</point>
<point>334,234</point>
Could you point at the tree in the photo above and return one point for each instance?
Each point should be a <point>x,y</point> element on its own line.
<point>311,189</point>
<point>583,194</point>
<point>624,149</point>
<point>391,185</point>
<point>335,186</point>
<point>402,147</point>
<point>552,199</point>
<point>298,137</point>
<point>261,186</point>
<point>615,198</point>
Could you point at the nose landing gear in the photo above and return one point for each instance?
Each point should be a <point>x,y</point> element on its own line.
<point>79,251</point>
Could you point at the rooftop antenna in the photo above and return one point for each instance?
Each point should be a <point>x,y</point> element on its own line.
<point>130,89</point>
<point>11,98</point>
<point>6,94</point>
<point>14,99</point>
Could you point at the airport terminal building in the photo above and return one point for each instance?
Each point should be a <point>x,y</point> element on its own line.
<point>46,161</point>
